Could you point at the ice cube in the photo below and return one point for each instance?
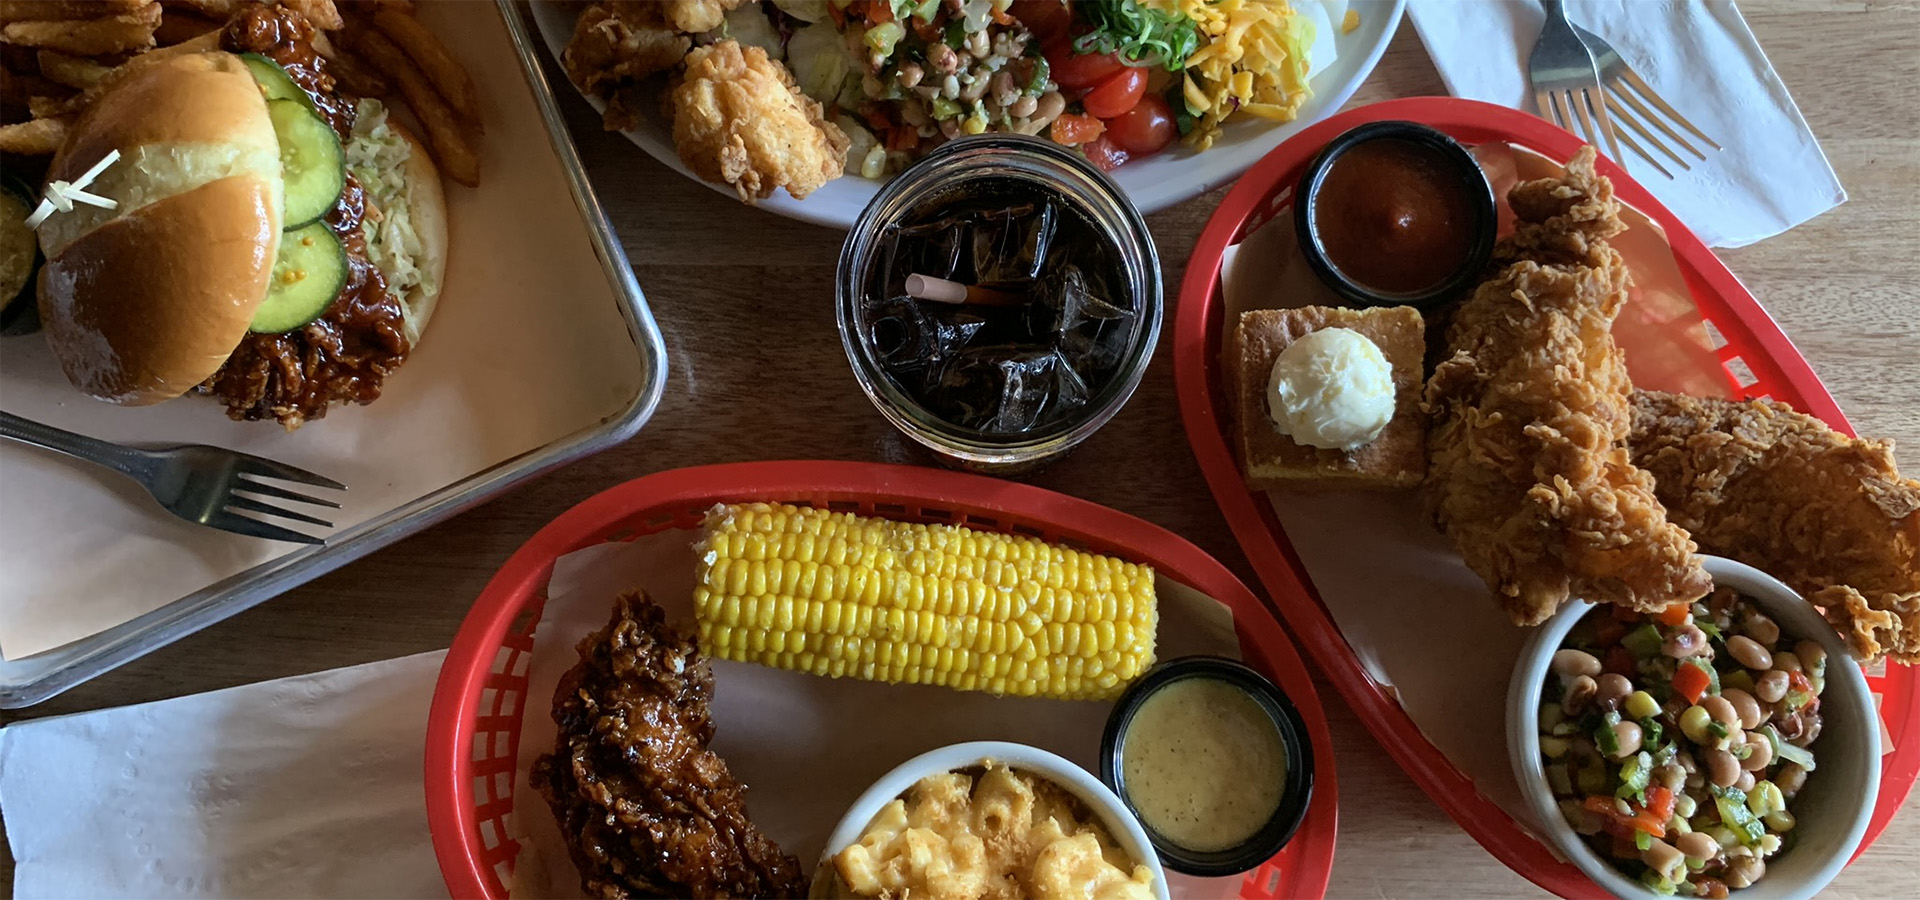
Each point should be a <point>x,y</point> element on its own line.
<point>1008,390</point>
<point>909,337</point>
<point>1010,245</point>
<point>932,248</point>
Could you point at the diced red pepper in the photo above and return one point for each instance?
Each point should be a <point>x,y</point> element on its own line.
<point>1690,681</point>
<point>1641,819</point>
<point>879,11</point>
<point>1620,661</point>
<point>1660,803</point>
<point>1676,614</point>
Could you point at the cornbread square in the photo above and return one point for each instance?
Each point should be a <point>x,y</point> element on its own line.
<point>1271,460</point>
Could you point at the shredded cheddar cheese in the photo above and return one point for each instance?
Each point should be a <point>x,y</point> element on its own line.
<point>1253,58</point>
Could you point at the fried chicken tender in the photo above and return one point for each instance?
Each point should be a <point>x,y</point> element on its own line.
<point>1779,490</point>
<point>648,809</point>
<point>615,46</point>
<point>1529,470</point>
<point>739,118</point>
<point>695,16</point>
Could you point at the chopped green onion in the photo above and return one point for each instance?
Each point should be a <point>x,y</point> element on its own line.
<point>1608,742</point>
<point>1707,627</point>
<point>1657,882</point>
<point>1799,756</point>
<point>1635,773</point>
<point>1137,35</point>
<point>882,38</point>
<point>1716,729</point>
<point>1643,642</point>
<point>1642,840</point>
<point>1651,732</point>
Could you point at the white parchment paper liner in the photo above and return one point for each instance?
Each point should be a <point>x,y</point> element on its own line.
<point>1421,622</point>
<point>805,746</point>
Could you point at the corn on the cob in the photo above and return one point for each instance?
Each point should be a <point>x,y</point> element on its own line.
<point>838,594</point>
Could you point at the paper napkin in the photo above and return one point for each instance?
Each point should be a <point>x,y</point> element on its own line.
<point>1770,174</point>
<point>302,787</point>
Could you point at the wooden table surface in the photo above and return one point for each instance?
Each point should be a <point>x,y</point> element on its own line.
<point>745,301</point>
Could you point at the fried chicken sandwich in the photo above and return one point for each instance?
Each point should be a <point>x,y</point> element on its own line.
<point>267,239</point>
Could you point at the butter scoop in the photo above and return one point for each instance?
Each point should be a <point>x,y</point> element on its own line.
<point>1332,389</point>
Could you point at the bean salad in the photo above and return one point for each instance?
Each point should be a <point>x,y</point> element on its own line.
<point>1676,743</point>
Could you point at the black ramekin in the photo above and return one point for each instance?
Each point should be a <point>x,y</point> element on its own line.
<point>1295,793</point>
<point>1485,226</point>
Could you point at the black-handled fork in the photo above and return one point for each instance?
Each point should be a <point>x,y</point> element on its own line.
<point>196,482</point>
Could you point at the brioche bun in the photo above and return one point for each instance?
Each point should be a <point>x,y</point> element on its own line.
<point>144,301</point>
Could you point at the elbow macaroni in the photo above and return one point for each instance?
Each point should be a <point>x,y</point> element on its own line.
<point>1254,59</point>
<point>989,834</point>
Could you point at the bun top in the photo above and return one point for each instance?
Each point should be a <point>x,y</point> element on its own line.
<point>143,301</point>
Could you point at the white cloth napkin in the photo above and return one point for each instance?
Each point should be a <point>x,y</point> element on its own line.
<point>1702,58</point>
<point>303,787</point>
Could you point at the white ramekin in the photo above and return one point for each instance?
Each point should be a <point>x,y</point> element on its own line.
<point>1113,814</point>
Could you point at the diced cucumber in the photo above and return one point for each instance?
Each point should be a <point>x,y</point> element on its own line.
<point>311,162</point>
<point>307,276</point>
<point>274,81</point>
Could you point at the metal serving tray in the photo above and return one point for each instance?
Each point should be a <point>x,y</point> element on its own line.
<point>35,678</point>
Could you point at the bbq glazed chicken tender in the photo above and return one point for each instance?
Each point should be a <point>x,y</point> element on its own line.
<point>739,118</point>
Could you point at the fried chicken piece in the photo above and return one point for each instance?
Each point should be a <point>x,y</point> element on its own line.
<point>647,809</point>
<point>695,16</point>
<point>1529,471</point>
<point>1779,490</point>
<point>739,118</point>
<point>615,46</point>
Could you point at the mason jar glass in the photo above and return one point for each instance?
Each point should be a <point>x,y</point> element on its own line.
<point>1002,160</point>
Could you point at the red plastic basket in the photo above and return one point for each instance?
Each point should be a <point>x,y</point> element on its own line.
<point>1751,336</point>
<point>473,730</point>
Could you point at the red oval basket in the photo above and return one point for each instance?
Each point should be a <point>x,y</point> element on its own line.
<point>473,730</point>
<point>1751,336</point>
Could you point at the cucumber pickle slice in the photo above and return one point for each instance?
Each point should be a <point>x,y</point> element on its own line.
<point>274,80</point>
<point>311,162</point>
<point>307,275</point>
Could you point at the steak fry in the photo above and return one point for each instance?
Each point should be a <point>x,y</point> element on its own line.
<point>1780,491</point>
<point>647,809</point>
<point>1529,473</point>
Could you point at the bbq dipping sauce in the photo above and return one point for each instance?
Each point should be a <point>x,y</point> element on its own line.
<point>1214,761</point>
<point>1395,213</point>
<point>1060,322</point>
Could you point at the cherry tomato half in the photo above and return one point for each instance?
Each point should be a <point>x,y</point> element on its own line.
<point>1117,94</point>
<point>1145,129</point>
<point>1078,72</point>
<point>1103,154</point>
<point>1047,20</point>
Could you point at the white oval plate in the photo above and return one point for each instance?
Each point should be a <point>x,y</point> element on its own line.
<point>1154,183</point>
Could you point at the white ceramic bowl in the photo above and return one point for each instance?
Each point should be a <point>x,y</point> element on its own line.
<point>1153,184</point>
<point>1119,821</point>
<point>1831,811</point>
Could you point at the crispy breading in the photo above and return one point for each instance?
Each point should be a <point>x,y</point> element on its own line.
<point>739,118</point>
<point>1779,490</point>
<point>615,46</point>
<point>1529,471</point>
<point>695,16</point>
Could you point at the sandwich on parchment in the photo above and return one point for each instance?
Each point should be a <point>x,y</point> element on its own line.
<point>274,242</point>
